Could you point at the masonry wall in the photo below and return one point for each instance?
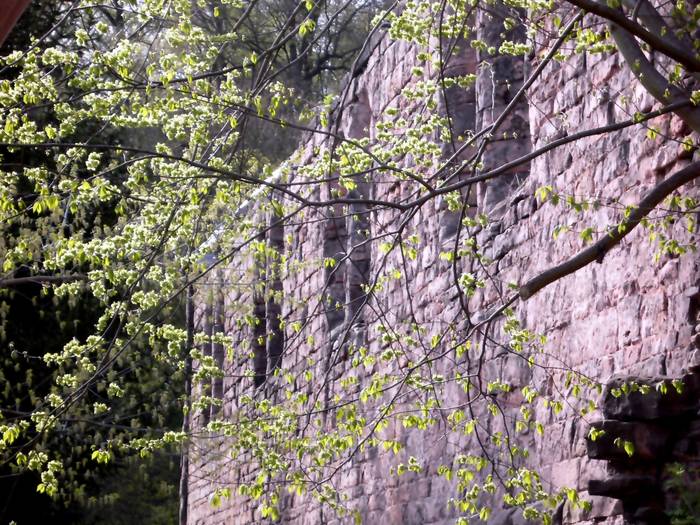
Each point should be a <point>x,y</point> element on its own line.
<point>630,314</point>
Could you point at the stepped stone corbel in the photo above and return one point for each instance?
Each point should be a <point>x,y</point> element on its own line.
<point>650,423</point>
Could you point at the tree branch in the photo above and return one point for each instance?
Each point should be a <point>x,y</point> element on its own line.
<point>653,81</point>
<point>504,169</point>
<point>39,279</point>
<point>688,59</point>
<point>651,18</point>
<point>597,251</point>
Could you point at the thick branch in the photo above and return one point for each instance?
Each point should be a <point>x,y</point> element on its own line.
<point>597,251</point>
<point>682,56</point>
<point>653,81</point>
<point>651,18</point>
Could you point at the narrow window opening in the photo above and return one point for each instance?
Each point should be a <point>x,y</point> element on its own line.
<point>499,78</point>
<point>274,269</point>
<point>259,328</point>
<point>357,232</point>
<point>357,269</point>
<point>357,116</point>
<point>268,337</point>
<point>217,352</point>
<point>334,241</point>
<point>458,105</point>
<point>205,388</point>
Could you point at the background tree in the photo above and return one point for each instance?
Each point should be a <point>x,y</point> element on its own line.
<point>90,493</point>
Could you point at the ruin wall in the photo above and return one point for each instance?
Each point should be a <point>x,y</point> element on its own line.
<point>631,314</point>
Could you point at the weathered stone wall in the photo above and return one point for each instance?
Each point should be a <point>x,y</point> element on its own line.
<point>630,314</point>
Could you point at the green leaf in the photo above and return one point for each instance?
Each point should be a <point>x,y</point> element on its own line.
<point>587,235</point>
<point>678,385</point>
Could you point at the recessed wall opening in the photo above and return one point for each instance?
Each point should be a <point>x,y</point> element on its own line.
<point>334,242</point>
<point>205,386</point>
<point>258,344</point>
<point>267,334</point>
<point>217,351</point>
<point>273,314</point>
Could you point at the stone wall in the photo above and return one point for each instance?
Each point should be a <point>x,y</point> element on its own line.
<point>628,315</point>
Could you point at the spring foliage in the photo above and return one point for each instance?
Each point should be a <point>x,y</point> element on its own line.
<point>128,142</point>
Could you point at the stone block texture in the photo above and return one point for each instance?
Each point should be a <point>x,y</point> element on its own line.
<point>630,314</point>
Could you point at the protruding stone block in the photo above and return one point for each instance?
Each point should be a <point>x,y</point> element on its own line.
<point>624,487</point>
<point>660,402</point>
<point>650,441</point>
